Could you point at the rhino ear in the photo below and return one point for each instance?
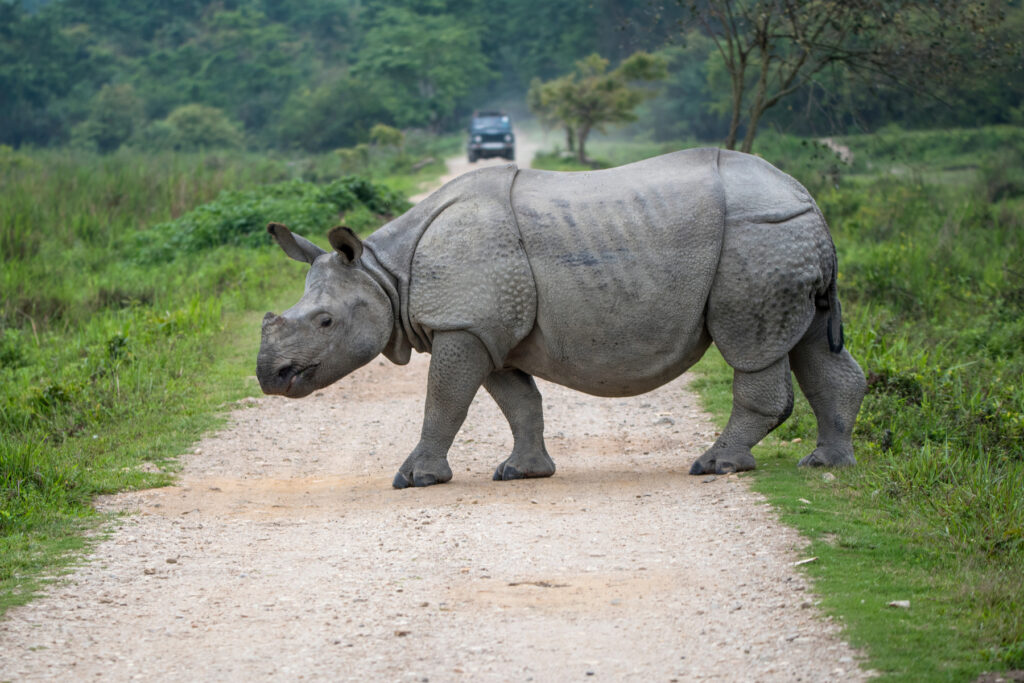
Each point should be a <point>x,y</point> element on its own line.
<point>346,243</point>
<point>297,247</point>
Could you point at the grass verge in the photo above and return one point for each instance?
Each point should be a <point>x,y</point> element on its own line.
<point>868,555</point>
<point>132,292</point>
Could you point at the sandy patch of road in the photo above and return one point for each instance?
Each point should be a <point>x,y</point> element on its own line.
<point>284,554</point>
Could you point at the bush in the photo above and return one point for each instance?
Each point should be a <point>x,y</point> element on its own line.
<point>115,113</point>
<point>194,127</point>
<point>239,218</point>
<point>387,136</point>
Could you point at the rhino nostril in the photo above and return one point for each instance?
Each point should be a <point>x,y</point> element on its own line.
<point>287,372</point>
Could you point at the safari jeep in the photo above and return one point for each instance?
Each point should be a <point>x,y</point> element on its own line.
<point>490,135</point>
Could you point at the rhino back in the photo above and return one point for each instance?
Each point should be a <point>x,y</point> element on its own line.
<point>623,260</point>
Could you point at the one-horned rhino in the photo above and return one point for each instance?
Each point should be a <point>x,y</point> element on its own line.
<point>610,282</point>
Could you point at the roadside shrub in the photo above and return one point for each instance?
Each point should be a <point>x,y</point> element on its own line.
<point>239,218</point>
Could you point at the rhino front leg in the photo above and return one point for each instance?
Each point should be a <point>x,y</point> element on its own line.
<point>516,394</point>
<point>761,401</point>
<point>458,365</point>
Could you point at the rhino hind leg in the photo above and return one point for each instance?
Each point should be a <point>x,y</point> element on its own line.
<point>834,385</point>
<point>459,363</point>
<point>761,401</point>
<point>516,394</point>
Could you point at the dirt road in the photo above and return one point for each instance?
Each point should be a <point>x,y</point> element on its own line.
<point>284,554</point>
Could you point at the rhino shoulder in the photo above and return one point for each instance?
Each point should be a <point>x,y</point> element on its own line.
<point>469,270</point>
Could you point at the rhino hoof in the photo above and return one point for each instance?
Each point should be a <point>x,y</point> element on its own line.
<point>525,466</point>
<point>699,468</point>
<point>425,480</point>
<point>507,473</point>
<point>829,457</point>
<point>722,461</point>
<point>420,479</point>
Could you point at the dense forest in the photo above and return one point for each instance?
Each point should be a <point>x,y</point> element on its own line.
<point>316,75</point>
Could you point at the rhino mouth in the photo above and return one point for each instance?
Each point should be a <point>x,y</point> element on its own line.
<point>290,374</point>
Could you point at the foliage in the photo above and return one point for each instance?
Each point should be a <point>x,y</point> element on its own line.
<point>239,217</point>
<point>193,127</point>
<point>115,113</point>
<point>423,65</point>
<point>319,75</point>
<point>387,136</point>
<point>337,114</point>
<point>770,49</point>
<point>591,96</point>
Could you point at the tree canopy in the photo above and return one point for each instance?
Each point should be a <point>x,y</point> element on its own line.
<point>590,96</point>
<point>771,49</point>
<point>319,74</point>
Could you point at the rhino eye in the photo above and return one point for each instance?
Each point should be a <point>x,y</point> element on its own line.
<point>326,322</point>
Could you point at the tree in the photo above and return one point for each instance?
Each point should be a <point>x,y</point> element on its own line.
<point>337,114</point>
<point>591,96</point>
<point>40,65</point>
<point>196,126</point>
<point>115,113</point>
<point>773,48</point>
<point>423,65</point>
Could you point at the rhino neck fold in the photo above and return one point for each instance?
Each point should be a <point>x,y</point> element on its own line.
<point>398,349</point>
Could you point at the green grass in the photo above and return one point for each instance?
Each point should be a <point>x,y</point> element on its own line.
<point>874,548</point>
<point>132,291</point>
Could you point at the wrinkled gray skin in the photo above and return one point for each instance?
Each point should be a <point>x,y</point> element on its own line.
<point>610,282</point>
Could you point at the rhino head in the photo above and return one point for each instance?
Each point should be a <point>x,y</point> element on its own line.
<point>342,322</point>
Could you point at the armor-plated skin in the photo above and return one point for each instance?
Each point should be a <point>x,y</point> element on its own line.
<point>611,282</point>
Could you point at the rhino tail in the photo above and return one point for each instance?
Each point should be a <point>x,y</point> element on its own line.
<point>835,313</point>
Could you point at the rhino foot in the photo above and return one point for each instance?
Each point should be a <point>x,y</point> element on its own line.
<point>829,456</point>
<point>525,467</point>
<point>422,473</point>
<point>723,461</point>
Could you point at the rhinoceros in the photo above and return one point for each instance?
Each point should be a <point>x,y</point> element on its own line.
<point>611,282</point>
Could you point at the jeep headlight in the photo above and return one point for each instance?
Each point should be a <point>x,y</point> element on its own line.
<point>508,137</point>
<point>478,138</point>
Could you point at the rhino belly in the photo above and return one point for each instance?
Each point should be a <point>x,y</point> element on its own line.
<point>607,364</point>
<point>623,261</point>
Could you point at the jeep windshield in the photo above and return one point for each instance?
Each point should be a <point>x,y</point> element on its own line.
<point>481,122</point>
